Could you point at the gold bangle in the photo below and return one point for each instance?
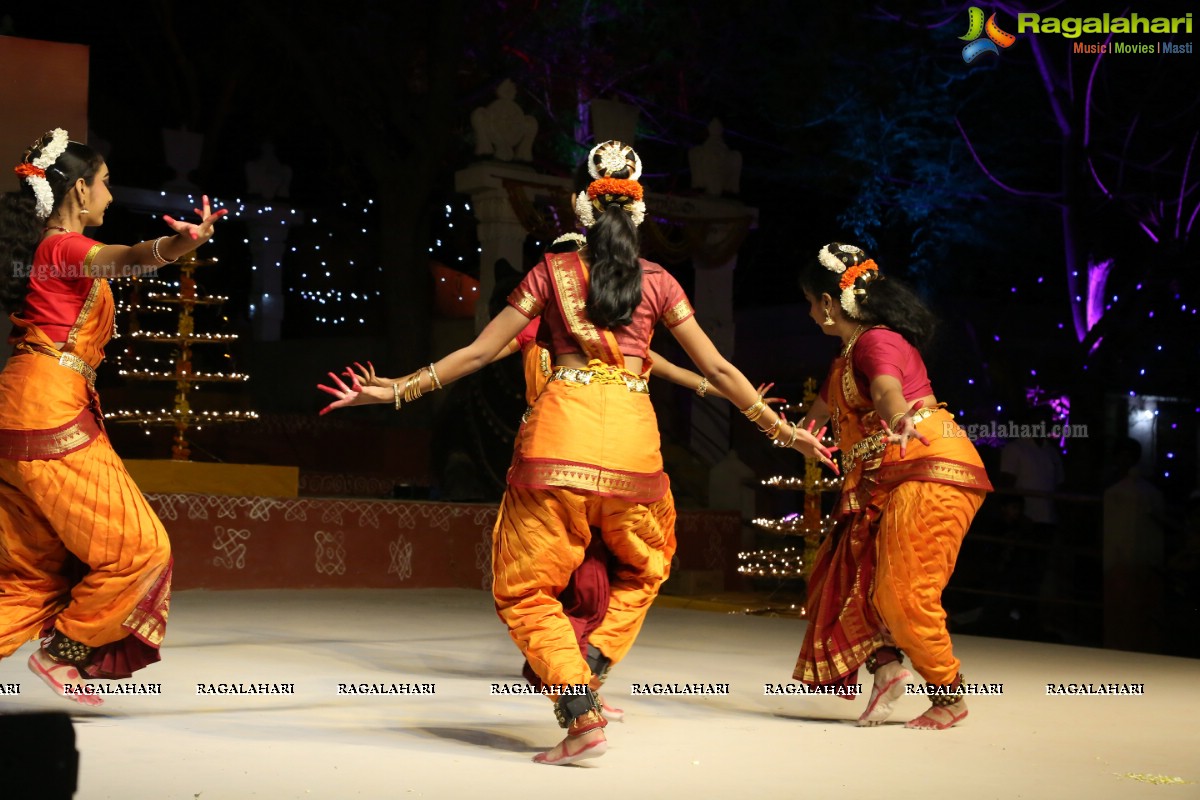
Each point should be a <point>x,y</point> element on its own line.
<point>412,387</point>
<point>795,433</point>
<point>396,395</point>
<point>892,421</point>
<point>773,431</point>
<point>433,377</point>
<point>755,411</point>
<point>702,389</point>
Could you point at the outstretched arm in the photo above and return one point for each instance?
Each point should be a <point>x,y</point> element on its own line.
<point>662,368</point>
<point>503,328</point>
<point>734,387</point>
<point>367,377</point>
<point>119,261</point>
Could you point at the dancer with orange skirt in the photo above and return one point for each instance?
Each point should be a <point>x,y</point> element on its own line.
<point>913,483</point>
<point>588,461</point>
<point>84,561</point>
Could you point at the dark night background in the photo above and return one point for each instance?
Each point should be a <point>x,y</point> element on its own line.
<point>991,186</point>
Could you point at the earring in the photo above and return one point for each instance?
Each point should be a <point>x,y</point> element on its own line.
<point>828,319</point>
<point>83,212</point>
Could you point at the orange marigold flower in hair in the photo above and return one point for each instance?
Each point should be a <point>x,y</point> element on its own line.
<point>617,187</point>
<point>27,170</point>
<point>854,273</point>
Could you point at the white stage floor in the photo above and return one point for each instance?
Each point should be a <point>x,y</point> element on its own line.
<point>464,742</point>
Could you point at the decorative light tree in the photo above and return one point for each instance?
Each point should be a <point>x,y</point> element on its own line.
<point>154,296</point>
<point>812,524</point>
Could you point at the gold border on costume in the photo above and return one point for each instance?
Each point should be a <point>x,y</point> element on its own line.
<point>51,443</point>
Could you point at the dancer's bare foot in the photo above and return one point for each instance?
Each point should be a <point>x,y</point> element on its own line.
<point>576,747</point>
<point>61,676</point>
<point>939,718</point>
<point>890,680</point>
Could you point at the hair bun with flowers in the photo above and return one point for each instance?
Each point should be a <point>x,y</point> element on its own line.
<point>49,147</point>
<point>856,271</point>
<point>615,168</point>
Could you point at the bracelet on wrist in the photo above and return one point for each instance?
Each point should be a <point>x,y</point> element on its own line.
<point>412,387</point>
<point>702,389</point>
<point>154,251</point>
<point>437,385</point>
<point>896,418</point>
<point>755,411</point>
<point>795,433</point>
<point>396,395</point>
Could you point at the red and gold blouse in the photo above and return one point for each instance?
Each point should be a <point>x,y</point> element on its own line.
<point>662,299</point>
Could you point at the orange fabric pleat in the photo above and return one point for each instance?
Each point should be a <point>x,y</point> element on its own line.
<point>84,505</point>
<point>921,528</point>
<point>539,540</point>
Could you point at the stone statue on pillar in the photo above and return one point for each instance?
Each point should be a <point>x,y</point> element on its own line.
<point>268,177</point>
<point>716,169</point>
<point>502,129</point>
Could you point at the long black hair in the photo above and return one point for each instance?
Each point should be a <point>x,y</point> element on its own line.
<point>21,228</point>
<point>882,301</point>
<point>616,284</point>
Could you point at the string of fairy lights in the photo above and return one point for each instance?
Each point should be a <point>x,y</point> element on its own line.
<point>783,564</point>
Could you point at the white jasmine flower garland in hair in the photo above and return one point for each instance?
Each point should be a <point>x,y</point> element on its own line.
<point>50,152</point>
<point>859,267</point>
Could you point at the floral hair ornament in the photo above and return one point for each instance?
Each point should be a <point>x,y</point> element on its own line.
<point>578,238</point>
<point>605,161</point>
<point>608,158</point>
<point>853,265</point>
<point>34,171</point>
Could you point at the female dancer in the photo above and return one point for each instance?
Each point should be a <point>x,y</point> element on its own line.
<point>83,558</point>
<point>585,598</point>
<point>905,505</point>
<point>588,460</point>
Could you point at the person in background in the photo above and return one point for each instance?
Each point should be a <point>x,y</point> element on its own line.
<point>1134,523</point>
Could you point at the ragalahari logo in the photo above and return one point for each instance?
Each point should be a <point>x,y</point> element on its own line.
<point>976,27</point>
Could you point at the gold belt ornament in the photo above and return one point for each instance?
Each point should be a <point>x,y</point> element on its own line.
<point>873,446</point>
<point>68,360</point>
<point>602,375</point>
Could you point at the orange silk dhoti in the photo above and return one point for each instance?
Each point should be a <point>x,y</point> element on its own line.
<point>80,548</point>
<point>921,528</point>
<point>539,541</point>
<point>587,463</point>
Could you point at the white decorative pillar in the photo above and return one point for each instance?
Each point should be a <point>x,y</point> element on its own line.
<point>501,234</point>
<point>712,297</point>
<point>268,234</point>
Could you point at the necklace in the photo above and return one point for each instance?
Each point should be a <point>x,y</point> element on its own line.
<point>853,338</point>
<point>55,228</point>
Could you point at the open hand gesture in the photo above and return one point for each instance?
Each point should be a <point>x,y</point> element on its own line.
<point>367,377</point>
<point>762,390</point>
<point>905,429</point>
<point>353,395</point>
<point>202,231</point>
<point>809,444</point>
